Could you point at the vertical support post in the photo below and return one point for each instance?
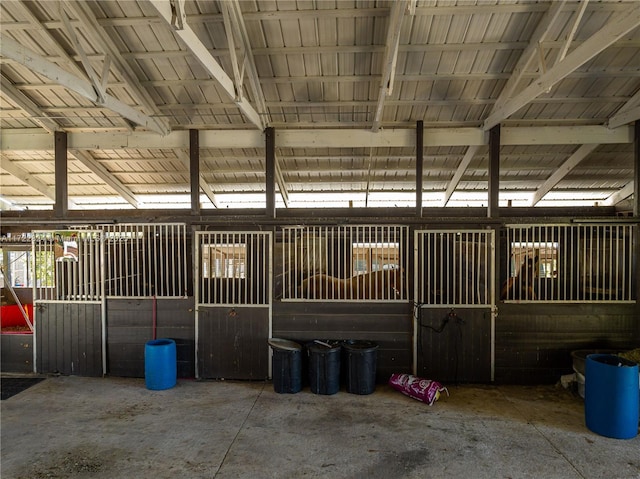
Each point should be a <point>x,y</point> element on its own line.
<point>636,169</point>
<point>493,212</point>
<point>194,170</point>
<point>495,288</point>
<point>270,165</point>
<point>419,166</point>
<point>61,206</point>
<point>636,210</point>
<point>494,172</point>
<point>197,282</point>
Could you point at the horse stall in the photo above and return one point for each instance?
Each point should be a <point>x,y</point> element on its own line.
<point>233,298</point>
<point>470,303</point>
<point>346,283</point>
<point>148,296</point>
<point>455,310</point>
<point>564,288</point>
<point>69,308</point>
<point>16,310</point>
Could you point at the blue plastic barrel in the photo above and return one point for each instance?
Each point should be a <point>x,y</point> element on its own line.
<point>611,397</point>
<point>160,365</point>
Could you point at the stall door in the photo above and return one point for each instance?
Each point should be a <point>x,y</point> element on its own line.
<point>233,304</point>
<point>69,307</point>
<point>454,315</point>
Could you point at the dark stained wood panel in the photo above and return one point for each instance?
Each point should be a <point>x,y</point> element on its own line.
<point>454,346</point>
<point>387,324</point>
<point>130,325</point>
<point>232,343</point>
<point>534,342</point>
<point>17,353</point>
<point>69,338</point>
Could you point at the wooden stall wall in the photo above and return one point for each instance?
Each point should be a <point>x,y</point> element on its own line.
<point>387,324</point>
<point>534,341</point>
<point>454,346</point>
<point>16,341</point>
<point>16,353</point>
<point>69,338</point>
<point>346,282</point>
<point>233,304</point>
<point>130,324</point>
<point>232,343</point>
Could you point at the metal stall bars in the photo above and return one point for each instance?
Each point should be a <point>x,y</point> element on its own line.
<point>344,263</point>
<point>454,270</point>
<point>146,260</point>
<point>67,265</point>
<point>69,309</point>
<point>233,304</point>
<point>569,263</point>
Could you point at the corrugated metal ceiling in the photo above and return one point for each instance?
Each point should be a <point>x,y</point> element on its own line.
<point>124,81</point>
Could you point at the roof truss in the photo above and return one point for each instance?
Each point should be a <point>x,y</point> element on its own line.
<point>204,57</point>
<point>621,24</point>
<point>24,102</point>
<point>9,48</point>
<point>90,162</point>
<point>28,179</point>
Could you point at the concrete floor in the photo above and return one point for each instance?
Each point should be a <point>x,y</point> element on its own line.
<point>74,427</point>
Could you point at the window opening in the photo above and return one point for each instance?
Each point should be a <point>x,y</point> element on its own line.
<point>233,268</point>
<point>569,263</point>
<point>331,263</point>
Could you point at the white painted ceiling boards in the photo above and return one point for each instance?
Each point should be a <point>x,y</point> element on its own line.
<point>344,84</point>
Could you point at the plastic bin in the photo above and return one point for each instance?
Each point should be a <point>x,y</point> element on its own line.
<point>611,397</point>
<point>361,358</point>
<point>324,366</point>
<point>286,366</point>
<point>160,365</point>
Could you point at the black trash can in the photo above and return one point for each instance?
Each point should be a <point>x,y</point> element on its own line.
<point>361,359</point>
<point>324,367</point>
<point>286,366</point>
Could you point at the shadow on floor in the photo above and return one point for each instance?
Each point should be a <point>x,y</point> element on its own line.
<point>11,386</point>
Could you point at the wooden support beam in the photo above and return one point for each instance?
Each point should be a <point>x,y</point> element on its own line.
<point>35,139</point>
<point>27,178</point>
<point>202,54</point>
<point>10,48</point>
<point>84,157</point>
<point>270,165</point>
<point>494,172</point>
<point>457,176</point>
<point>564,169</point>
<point>636,176</point>
<point>61,208</point>
<point>194,171</point>
<point>391,55</point>
<point>419,166</point>
<point>282,185</point>
<point>636,209</point>
<point>616,28</point>
<point>24,102</point>
<point>529,53</point>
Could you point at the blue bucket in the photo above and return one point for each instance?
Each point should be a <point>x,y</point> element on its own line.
<point>160,365</point>
<point>611,397</point>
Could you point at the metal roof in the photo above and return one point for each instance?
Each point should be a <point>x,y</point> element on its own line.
<point>343,83</point>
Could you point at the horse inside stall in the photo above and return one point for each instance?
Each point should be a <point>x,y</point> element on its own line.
<point>383,284</point>
<point>520,286</point>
